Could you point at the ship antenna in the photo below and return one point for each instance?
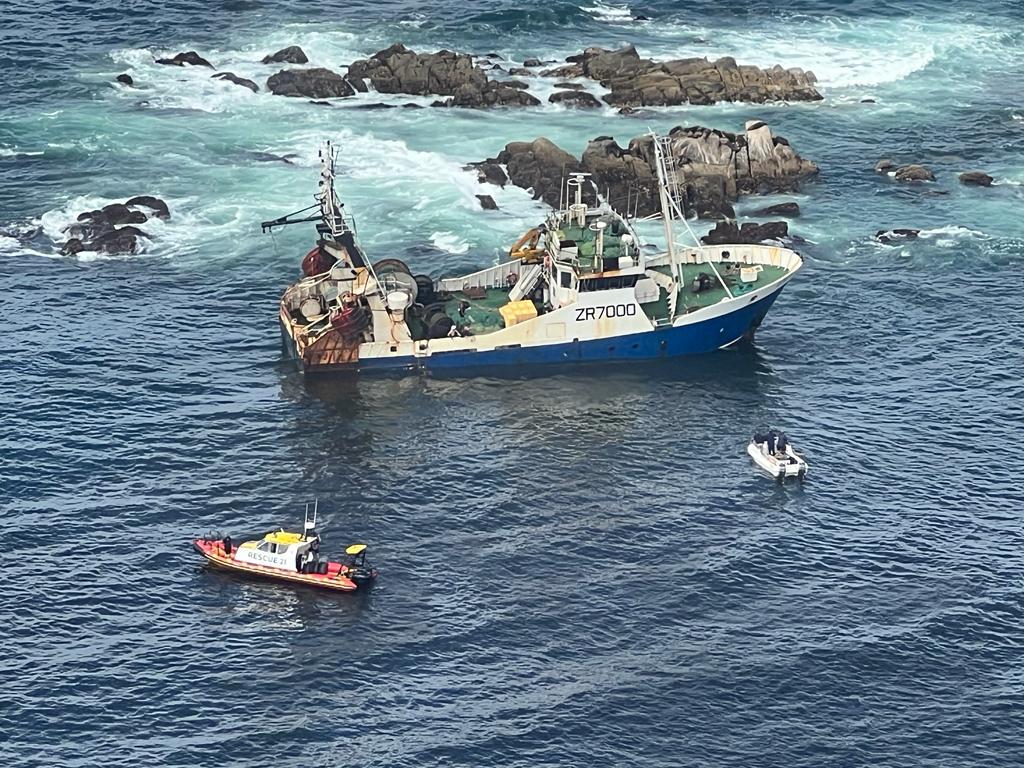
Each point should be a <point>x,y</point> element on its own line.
<point>668,188</point>
<point>308,524</point>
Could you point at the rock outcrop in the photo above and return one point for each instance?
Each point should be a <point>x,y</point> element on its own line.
<point>125,79</point>
<point>976,179</point>
<point>398,69</point>
<point>316,83</point>
<point>111,229</point>
<point>895,236</point>
<point>914,173</point>
<point>780,209</point>
<point>714,168</point>
<point>231,77</point>
<point>634,81</point>
<point>487,202</point>
<point>727,233</point>
<point>575,98</point>
<point>188,57</point>
<point>293,54</point>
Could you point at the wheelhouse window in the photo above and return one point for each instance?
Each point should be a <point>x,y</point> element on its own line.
<point>566,278</point>
<point>608,283</point>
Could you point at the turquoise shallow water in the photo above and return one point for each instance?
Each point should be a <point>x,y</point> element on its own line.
<point>577,568</point>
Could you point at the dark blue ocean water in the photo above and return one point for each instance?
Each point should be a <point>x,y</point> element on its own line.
<point>580,567</point>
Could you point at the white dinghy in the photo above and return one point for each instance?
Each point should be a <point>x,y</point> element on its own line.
<point>772,452</point>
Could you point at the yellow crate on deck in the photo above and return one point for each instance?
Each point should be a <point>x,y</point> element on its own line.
<point>518,311</point>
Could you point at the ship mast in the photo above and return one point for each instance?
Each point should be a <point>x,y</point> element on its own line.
<point>330,209</point>
<point>672,207</point>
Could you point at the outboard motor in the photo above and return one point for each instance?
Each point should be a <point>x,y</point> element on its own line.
<point>358,569</point>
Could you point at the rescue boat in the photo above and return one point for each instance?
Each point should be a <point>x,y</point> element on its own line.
<point>773,453</point>
<point>291,557</point>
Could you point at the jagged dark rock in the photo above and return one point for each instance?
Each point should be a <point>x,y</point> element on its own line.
<point>976,179</point>
<point>489,173</point>
<point>520,72</point>
<point>125,79</point>
<point>188,57</point>
<point>515,84</point>
<point>727,233</point>
<point>780,209</point>
<point>570,86</point>
<point>891,236</point>
<point>293,54</point>
<point>532,63</point>
<point>72,246</point>
<point>914,172</point>
<point>316,83</point>
<point>635,81</point>
<point>487,202</point>
<point>109,229</point>
<point>231,77</point>
<point>574,99</point>
<point>123,240</point>
<point>161,211</point>
<point>717,167</point>
<point>884,166</point>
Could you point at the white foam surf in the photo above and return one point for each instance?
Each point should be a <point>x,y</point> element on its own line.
<point>608,12</point>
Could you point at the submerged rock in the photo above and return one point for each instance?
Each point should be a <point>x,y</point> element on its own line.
<point>574,99</point>
<point>727,232</point>
<point>161,211</point>
<point>487,202</point>
<point>914,173</point>
<point>293,54</point>
<point>125,79</point>
<point>780,209</point>
<point>890,236</point>
<point>717,167</point>
<point>976,178</point>
<point>532,63</point>
<point>188,57</point>
<point>316,83</point>
<point>231,77</point>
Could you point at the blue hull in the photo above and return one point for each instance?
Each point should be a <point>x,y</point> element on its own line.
<point>693,339</point>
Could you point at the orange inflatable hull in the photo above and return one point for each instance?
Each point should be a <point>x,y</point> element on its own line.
<point>213,551</point>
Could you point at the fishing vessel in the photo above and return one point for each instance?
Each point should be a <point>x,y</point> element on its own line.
<point>291,557</point>
<point>773,453</point>
<point>578,288</point>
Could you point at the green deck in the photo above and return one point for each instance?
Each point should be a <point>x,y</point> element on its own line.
<point>586,242</point>
<point>483,315</point>
<point>689,301</point>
